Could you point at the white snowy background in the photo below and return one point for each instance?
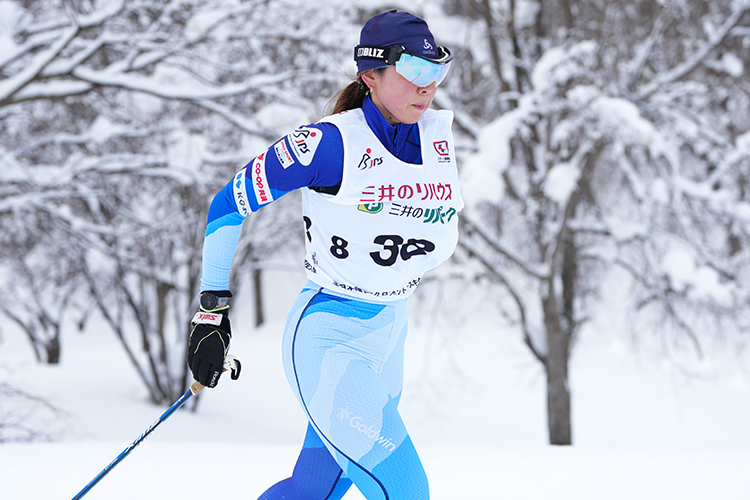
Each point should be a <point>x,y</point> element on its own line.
<point>473,401</point>
<point>644,426</point>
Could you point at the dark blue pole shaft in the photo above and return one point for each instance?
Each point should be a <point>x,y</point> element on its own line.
<point>135,443</point>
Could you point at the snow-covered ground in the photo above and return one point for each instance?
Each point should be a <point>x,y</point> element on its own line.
<point>473,400</point>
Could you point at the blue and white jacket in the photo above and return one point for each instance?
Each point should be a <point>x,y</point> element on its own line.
<point>314,156</point>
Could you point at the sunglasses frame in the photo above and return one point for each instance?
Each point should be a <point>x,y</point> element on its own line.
<point>391,55</point>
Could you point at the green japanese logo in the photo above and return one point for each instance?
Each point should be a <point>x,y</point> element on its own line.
<point>370,208</point>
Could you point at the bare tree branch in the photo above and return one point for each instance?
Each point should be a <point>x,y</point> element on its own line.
<point>502,251</point>
<point>528,339</point>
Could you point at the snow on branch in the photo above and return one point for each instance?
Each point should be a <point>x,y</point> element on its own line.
<point>741,152</point>
<point>110,10</point>
<point>51,90</point>
<point>682,70</point>
<point>126,164</point>
<point>12,85</point>
<point>31,45</point>
<point>250,126</point>
<point>648,45</point>
<point>184,92</point>
<point>64,67</point>
<point>587,157</point>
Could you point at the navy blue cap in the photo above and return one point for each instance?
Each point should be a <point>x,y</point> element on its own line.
<point>396,28</point>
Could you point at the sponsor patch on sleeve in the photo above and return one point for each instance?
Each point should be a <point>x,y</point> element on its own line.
<point>283,154</point>
<point>240,193</point>
<point>304,142</point>
<point>260,182</point>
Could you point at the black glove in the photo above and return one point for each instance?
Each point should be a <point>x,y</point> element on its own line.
<point>209,338</point>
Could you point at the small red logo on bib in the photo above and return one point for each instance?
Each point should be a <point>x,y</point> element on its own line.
<point>441,147</point>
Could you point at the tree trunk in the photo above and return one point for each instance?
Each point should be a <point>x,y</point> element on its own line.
<point>258,294</point>
<point>556,365</point>
<point>52,348</point>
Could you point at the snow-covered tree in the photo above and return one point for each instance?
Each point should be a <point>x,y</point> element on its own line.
<point>622,143</point>
<point>40,287</point>
<point>120,119</point>
<point>25,417</point>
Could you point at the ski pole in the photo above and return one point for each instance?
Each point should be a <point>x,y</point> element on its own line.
<point>230,363</point>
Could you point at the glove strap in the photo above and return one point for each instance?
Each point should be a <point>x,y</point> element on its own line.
<point>207,318</point>
<point>213,301</point>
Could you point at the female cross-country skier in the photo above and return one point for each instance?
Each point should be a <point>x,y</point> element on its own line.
<point>380,207</point>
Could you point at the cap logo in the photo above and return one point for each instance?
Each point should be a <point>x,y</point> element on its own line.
<point>427,45</point>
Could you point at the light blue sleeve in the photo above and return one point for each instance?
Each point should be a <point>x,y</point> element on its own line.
<point>219,248</point>
<point>293,162</point>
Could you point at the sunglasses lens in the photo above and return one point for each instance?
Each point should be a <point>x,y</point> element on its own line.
<point>421,72</point>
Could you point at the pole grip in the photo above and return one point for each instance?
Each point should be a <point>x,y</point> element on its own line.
<point>230,363</point>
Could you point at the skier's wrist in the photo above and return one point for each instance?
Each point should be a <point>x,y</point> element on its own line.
<point>215,300</point>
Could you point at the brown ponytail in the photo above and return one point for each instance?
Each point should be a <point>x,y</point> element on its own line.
<point>351,96</point>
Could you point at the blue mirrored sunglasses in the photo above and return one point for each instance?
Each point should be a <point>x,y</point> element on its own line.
<point>423,72</point>
<point>420,71</point>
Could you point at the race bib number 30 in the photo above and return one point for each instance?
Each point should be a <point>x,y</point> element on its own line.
<point>393,247</point>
